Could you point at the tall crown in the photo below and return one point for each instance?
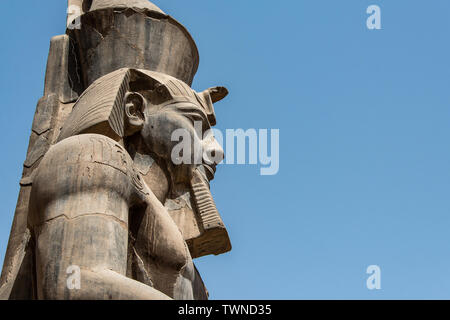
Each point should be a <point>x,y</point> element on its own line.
<point>113,34</point>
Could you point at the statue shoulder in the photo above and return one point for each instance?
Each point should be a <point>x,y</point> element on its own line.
<point>84,174</point>
<point>85,150</point>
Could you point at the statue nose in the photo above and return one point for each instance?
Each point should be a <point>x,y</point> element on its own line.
<point>213,152</point>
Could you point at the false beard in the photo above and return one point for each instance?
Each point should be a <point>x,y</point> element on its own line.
<point>214,238</point>
<point>193,209</point>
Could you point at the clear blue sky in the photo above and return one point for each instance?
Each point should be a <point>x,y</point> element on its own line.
<point>364,126</point>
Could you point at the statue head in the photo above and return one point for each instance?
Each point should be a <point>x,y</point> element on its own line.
<point>152,106</point>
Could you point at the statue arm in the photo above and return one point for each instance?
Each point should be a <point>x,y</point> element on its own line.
<point>79,222</point>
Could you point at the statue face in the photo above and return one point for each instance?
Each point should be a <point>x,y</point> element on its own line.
<point>166,126</point>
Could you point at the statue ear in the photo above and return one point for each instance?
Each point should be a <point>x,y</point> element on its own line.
<point>135,105</point>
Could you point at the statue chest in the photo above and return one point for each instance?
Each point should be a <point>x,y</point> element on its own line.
<point>159,256</point>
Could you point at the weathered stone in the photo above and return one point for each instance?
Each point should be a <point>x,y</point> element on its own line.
<point>101,192</point>
<point>63,75</point>
<point>133,39</point>
<point>61,87</point>
<point>39,149</point>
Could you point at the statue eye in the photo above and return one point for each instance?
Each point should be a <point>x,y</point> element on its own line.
<point>195,118</point>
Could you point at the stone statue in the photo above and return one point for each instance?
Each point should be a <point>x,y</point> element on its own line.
<point>101,193</point>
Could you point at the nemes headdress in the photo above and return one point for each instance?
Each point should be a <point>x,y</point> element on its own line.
<point>101,108</point>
